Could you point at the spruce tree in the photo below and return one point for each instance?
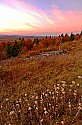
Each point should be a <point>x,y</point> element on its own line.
<point>9,49</point>
<point>36,41</point>
<point>71,38</point>
<point>15,49</point>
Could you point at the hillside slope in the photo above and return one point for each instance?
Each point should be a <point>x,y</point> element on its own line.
<point>20,76</point>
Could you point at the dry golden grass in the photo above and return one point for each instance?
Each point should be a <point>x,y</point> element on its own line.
<point>20,75</point>
<point>42,72</point>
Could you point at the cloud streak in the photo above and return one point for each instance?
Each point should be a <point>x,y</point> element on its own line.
<point>21,16</point>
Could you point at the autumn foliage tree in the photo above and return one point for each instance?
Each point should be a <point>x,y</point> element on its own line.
<point>65,38</point>
<point>28,44</point>
<point>2,50</point>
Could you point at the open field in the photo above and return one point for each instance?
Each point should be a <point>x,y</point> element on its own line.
<point>42,91</point>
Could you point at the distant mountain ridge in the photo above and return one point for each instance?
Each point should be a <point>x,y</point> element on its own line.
<point>11,38</point>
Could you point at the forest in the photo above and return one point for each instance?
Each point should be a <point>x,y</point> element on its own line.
<point>26,47</point>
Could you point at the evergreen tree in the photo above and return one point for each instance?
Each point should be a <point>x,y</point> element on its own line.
<point>36,41</point>
<point>71,38</point>
<point>21,43</point>
<point>9,49</point>
<point>66,34</point>
<point>15,49</point>
<point>46,37</point>
<point>22,39</point>
<point>50,36</point>
<point>19,38</point>
<point>62,34</point>
<point>81,33</point>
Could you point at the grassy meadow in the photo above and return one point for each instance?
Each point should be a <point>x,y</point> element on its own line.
<point>42,91</point>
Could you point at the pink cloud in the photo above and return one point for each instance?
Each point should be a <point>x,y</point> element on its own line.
<point>67,21</point>
<point>30,9</point>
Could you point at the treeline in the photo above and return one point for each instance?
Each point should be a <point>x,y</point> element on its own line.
<point>13,49</point>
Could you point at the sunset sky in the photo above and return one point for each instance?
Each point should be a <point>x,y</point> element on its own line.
<point>40,17</point>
